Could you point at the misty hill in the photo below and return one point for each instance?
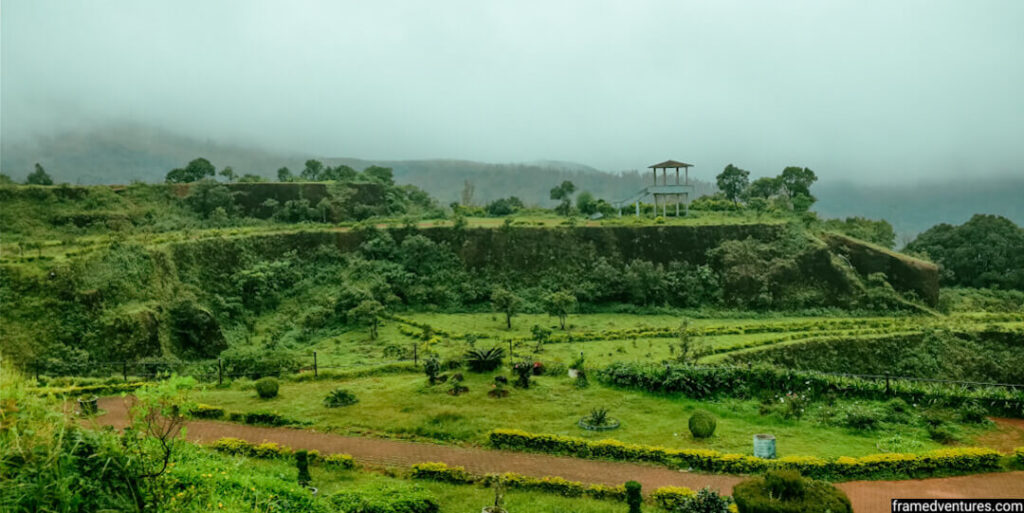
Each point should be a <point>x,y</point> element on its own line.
<point>121,153</point>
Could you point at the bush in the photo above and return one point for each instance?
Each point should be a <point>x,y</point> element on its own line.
<point>672,498</point>
<point>340,397</point>
<point>385,498</point>
<point>633,496</point>
<point>702,424</point>
<point>942,433</point>
<point>302,464</point>
<point>856,416</point>
<point>266,388</point>
<point>205,411</point>
<point>484,360</point>
<point>556,485</point>
<point>973,413</point>
<point>266,418</point>
<point>705,501</point>
<point>787,492</point>
<point>939,462</point>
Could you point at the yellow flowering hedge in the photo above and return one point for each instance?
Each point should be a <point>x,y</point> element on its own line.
<point>938,462</point>
<point>548,484</point>
<point>1018,454</point>
<point>672,497</point>
<point>268,450</point>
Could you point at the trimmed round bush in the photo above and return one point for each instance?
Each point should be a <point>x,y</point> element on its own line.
<point>266,388</point>
<point>784,491</point>
<point>702,424</point>
<point>340,397</point>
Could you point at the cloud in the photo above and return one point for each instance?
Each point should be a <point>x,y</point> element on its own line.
<point>872,92</point>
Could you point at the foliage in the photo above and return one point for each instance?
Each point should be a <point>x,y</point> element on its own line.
<point>196,170</point>
<point>787,492</point>
<point>672,498</point>
<point>940,462</point>
<point>797,181</point>
<point>705,500</point>
<point>878,232</point>
<point>732,181</point>
<point>523,369</point>
<point>484,360</point>
<point>369,313</point>
<point>504,206</point>
<point>702,424</point>
<point>239,447</point>
<point>560,304</point>
<point>385,498</point>
<point>432,367</point>
<point>507,303</point>
<point>267,388</point>
<point>38,177</point>
<point>633,497</point>
<point>986,251</point>
<point>340,397</point>
<point>302,466</point>
<point>441,472</point>
<point>598,417</point>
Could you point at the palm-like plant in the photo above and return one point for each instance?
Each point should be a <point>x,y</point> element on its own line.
<point>598,417</point>
<point>484,360</point>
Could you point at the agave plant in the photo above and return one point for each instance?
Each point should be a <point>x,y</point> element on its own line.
<point>484,360</point>
<point>598,417</point>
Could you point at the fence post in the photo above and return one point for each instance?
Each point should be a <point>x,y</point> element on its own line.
<point>316,372</point>
<point>220,371</point>
<point>415,354</point>
<point>124,370</point>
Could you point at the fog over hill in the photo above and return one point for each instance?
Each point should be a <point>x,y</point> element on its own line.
<point>122,153</point>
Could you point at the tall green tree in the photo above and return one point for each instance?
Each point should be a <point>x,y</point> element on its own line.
<point>380,174</point>
<point>586,203</point>
<point>563,193</point>
<point>985,252</point>
<point>229,173</point>
<point>196,170</point>
<point>797,180</point>
<point>312,171</point>
<point>732,181</point>
<point>39,177</point>
<point>507,303</point>
<point>369,313</point>
<point>764,187</point>
<point>285,175</point>
<point>560,304</point>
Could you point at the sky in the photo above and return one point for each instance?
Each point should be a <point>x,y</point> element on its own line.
<point>866,91</point>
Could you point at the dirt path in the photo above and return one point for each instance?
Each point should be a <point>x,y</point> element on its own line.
<point>867,496</point>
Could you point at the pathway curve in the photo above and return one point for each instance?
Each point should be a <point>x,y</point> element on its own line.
<point>867,496</point>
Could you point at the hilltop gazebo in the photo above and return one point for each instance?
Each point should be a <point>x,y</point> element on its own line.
<point>680,192</point>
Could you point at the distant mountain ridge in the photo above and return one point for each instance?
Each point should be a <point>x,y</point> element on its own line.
<point>122,153</point>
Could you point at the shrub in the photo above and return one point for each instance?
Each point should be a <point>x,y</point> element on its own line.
<point>484,360</point>
<point>939,462</point>
<point>856,416</point>
<point>205,411</point>
<point>973,413</point>
<point>266,388</point>
<point>385,498</point>
<point>302,465</point>
<point>672,498</point>
<point>340,397</point>
<point>942,433</point>
<point>598,417</point>
<point>431,367</point>
<point>704,501</point>
<point>1018,455</point>
<point>702,424</point>
<point>787,492</point>
<point>523,370</point>
<point>266,418</point>
<point>633,496</point>
<point>556,485</point>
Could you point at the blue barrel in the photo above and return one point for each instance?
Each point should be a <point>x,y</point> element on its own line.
<point>764,446</point>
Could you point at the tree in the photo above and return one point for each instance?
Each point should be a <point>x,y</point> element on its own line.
<point>5,179</point>
<point>986,251</point>
<point>732,181</point>
<point>312,171</point>
<point>229,173</point>
<point>796,180</point>
<point>342,173</point>
<point>380,174</point>
<point>504,206</point>
<point>563,193</point>
<point>560,304</point>
<point>586,203</point>
<point>207,195</point>
<point>541,335</point>
<point>251,178</point>
<point>764,187</point>
<point>369,313</point>
<point>196,170</point>
<point>466,197</point>
<point>507,303</point>
<point>285,175</point>
<point>39,177</point>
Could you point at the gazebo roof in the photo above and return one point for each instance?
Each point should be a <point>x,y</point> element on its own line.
<point>670,164</point>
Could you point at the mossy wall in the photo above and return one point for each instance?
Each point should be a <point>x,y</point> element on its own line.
<point>904,273</point>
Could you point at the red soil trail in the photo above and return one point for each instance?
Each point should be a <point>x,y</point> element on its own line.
<point>867,496</point>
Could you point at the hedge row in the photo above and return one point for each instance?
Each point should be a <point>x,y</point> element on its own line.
<point>876,466</point>
<point>555,485</point>
<point>268,450</point>
<point>105,389</point>
<point>256,418</point>
<point>701,382</point>
<point>1018,454</point>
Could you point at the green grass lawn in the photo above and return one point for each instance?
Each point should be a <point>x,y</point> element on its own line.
<point>404,406</point>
